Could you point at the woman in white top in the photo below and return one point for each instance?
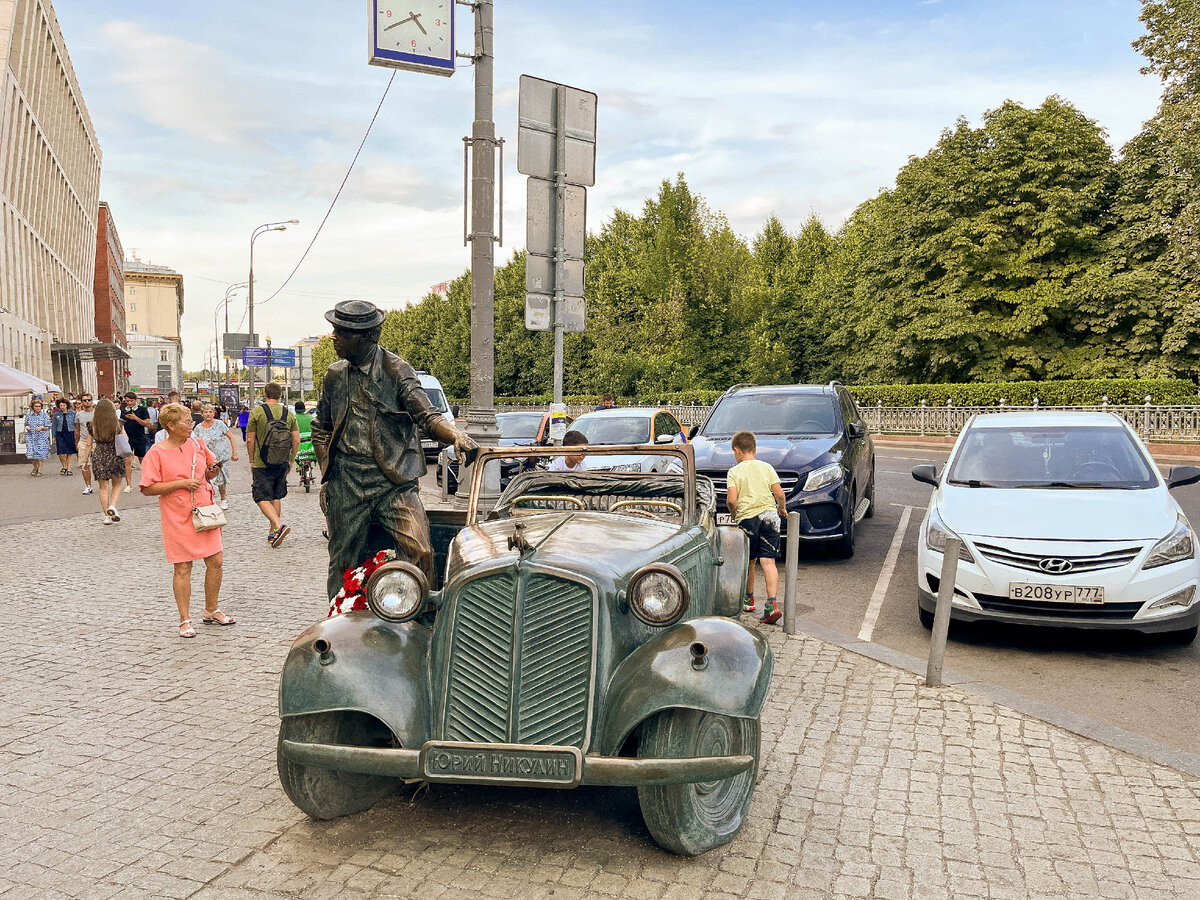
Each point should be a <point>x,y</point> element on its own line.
<point>216,434</point>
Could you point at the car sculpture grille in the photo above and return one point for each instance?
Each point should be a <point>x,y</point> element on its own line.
<point>1032,562</point>
<point>538,625</point>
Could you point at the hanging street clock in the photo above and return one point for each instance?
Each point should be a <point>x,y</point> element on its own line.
<point>412,34</point>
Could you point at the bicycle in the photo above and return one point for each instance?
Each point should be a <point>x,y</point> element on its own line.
<point>305,461</point>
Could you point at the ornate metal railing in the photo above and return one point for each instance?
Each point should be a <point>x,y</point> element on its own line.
<point>1159,424</point>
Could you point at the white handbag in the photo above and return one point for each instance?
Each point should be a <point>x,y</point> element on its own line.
<point>205,518</point>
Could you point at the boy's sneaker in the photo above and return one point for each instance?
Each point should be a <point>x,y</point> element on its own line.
<point>771,613</point>
<point>276,537</point>
<point>87,489</point>
<point>748,603</point>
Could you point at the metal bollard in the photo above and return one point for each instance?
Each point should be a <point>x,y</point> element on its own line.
<point>941,615</point>
<point>791,573</point>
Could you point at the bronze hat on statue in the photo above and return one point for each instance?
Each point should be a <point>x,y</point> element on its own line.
<point>356,315</point>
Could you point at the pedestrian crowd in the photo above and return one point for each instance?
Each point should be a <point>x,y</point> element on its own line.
<point>181,452</point>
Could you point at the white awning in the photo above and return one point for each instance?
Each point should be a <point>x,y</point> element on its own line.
<point>15,383</point>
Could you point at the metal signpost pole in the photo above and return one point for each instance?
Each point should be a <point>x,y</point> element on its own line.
<point>557,149</point>
<point>560,230</point>
<point>481,416</point>
<point>268,361</point>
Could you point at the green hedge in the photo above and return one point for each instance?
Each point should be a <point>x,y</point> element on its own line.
<point>684,398</point>
<point>1165,391</point>
<point>1120,391</point>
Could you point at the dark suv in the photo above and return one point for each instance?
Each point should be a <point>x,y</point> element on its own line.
<point>816,440</point>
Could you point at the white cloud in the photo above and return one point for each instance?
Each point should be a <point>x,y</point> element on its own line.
<point>213,122</point>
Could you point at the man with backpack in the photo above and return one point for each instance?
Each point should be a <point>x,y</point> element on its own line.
<point>272,440</point>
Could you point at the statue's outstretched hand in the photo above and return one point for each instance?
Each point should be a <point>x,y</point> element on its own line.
<point>465,448</point>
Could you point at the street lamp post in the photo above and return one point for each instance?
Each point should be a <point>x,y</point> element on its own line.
<point>229,290</point>
<point>261,229</point>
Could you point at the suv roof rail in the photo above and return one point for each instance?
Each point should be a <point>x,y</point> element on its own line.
<point>835,383</point>
<point>738,387</point>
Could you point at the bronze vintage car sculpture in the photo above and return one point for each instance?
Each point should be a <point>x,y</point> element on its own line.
<point>585,632</point>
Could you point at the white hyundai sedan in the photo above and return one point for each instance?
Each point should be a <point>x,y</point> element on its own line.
<point>1065,521</point>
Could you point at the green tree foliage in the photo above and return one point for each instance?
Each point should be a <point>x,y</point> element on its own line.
<point>1018,250</point>
<point>972,267</point>
<point>1149,281</point>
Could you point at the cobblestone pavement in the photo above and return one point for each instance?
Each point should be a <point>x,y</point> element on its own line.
<point>136,764</point>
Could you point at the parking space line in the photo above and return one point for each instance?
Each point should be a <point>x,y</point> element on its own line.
<point>885,578</point>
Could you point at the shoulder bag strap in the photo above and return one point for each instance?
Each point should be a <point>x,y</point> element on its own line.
<point>195,450</point>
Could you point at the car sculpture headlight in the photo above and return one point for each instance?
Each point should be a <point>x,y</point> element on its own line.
<point>397,591</point>
<point>658,594</point>
<point>1175,547</point>
<point>936,537</point>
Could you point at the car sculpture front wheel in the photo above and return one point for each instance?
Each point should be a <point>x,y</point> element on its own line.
<point>691,818</point>
<point>329,793</point>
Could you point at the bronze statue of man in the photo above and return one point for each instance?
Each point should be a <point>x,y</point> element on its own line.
<point>366,438</point>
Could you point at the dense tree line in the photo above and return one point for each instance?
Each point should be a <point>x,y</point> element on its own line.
<point>1021,249</point>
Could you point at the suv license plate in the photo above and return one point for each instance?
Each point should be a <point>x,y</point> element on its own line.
<point>502,764</point>
<point>1051,593</point>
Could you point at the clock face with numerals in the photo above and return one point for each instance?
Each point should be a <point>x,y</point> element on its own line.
<point>412,34</point>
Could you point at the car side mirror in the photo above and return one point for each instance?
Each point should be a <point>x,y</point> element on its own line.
<point>665,439</point>
<point>1178,476</point>
<point>927,474</point>
<point>692,431</point>
<point>857,430</point>
<point>454,410</point>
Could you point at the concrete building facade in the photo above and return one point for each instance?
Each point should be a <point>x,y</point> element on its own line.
<point>49,200</point>
<point>155,364</point>
<point>153,300</point>
<point>108,290</point>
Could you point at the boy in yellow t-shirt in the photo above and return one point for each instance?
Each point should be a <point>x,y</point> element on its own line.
<point>756,502</point>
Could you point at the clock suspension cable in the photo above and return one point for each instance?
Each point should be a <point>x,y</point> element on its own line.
<point>334,201</point>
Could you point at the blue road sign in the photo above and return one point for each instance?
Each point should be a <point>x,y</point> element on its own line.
<point>254,356</point>
<point>283,356</point>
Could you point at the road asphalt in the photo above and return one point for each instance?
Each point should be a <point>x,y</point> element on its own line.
<point>137,764</point>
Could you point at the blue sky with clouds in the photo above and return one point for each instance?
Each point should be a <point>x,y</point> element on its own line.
<point>215,116</point>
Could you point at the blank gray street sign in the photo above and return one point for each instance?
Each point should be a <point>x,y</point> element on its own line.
<point>571,312</point>
<point>536,131</point>
<point>537,311</point>
<point>539,218</point>
<point>539,275</point>
<point>233,343</point>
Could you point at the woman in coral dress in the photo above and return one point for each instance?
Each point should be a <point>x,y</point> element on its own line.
<point>174,470</point>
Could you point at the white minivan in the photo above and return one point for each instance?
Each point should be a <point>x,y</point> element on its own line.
<point>437,396</point>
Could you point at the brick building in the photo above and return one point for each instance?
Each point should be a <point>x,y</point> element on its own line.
<point>109,292</point>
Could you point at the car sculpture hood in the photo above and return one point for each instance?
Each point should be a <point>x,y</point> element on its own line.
<point>552,537</point>
<point>1062,514</point>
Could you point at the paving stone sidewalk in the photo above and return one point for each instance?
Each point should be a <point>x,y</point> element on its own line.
<point>136,764</point>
